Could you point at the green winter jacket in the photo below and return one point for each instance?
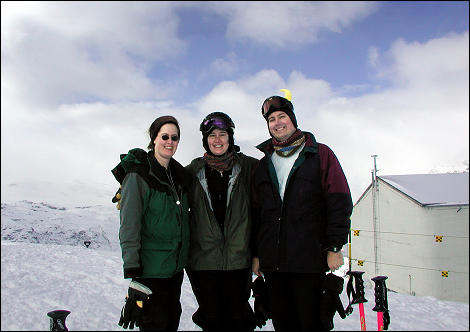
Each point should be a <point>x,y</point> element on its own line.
<point>211,249</point>
<point>154,229</point>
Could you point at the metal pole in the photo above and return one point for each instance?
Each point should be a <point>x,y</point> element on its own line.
<point>375,213</point>
<point>349,248</point>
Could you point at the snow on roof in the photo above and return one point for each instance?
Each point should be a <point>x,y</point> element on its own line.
<point>432,189</point>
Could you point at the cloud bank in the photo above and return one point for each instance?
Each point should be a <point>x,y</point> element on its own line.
<point>78,90</point>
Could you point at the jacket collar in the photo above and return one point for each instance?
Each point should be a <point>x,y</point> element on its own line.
<point>177,170</point>
<point>199,163</point>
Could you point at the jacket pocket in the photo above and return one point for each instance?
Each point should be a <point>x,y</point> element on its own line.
<point>161,219</point>
<point>159,259</point>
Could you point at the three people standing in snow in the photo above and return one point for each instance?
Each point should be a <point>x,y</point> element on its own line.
<point>286,215</point>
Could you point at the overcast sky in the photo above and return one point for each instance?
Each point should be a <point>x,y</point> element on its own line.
<point>81,82</point>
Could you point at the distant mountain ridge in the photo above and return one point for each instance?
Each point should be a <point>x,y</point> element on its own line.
<point>41,222</point>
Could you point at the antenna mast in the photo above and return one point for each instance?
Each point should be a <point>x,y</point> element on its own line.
<point>375,211</point>
<point>374,171</point>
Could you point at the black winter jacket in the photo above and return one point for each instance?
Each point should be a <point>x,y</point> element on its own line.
<point>291,235</point>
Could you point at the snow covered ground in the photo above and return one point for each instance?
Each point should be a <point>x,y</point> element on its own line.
<point>45,266</point>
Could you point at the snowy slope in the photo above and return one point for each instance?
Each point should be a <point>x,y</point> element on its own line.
<point>45,266</point>
<point>26,221</point>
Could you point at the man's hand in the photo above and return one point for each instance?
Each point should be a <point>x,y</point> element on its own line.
<point>335,260</point>
<point>255,266</point>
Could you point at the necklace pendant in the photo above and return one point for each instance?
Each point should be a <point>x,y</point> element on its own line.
<point>178,202</point>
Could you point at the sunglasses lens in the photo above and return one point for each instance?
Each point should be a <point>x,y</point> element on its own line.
<point>174,138</point>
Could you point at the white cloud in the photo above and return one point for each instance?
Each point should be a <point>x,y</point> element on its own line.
<point>420,123</point>
<point>225,66</point>
<point>438,61</point>
<point>70,120</point>
<point>415,126</point>
<point>289,23</point>
<point>56,52</point>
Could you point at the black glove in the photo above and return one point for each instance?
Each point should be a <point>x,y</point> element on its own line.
<point>261,305</point>
<point>131,312</point>
<point>198,319</point>
<point>330,301</point>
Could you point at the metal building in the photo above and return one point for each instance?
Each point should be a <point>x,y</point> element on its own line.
<point>414,229</point>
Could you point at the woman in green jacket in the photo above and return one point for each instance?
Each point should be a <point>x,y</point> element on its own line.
<point>219,266</point>
<point>154,229</point>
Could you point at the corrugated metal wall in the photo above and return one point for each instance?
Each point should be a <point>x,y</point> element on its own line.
<point>422,250</point>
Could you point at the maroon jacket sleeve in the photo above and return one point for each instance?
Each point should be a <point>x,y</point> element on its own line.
<point>337,196</point>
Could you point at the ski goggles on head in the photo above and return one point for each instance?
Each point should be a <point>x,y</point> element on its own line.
<point>275,102</point>
<point>219,123</point>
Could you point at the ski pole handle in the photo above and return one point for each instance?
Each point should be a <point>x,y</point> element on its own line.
<point>358,295</point>
<point>381,304</point>
<point>57,320</point>
<point>359,285</point>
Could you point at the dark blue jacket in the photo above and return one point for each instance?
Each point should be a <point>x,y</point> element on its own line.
<point>291,235</point>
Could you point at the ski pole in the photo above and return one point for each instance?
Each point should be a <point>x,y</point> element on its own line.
<point>359,296</point>
<point>362,317</point>
<point>381,303</point>
<point>349,250</point>
<point>57,318</point>
<point>380,321</point>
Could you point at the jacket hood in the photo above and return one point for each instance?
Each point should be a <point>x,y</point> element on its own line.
<point>139,158</point>
<point>134,157</point>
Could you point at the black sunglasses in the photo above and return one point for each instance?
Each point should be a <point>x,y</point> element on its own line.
<point>174,138</point>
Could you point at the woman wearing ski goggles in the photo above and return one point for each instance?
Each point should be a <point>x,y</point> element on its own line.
<point>219,265</point>
<point>209,123</point>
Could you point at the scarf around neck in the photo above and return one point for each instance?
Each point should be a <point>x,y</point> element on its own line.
<point>220,163</point>
<point>289,146</point>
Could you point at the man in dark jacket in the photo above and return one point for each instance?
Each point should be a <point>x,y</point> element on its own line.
<point>301,210</point>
